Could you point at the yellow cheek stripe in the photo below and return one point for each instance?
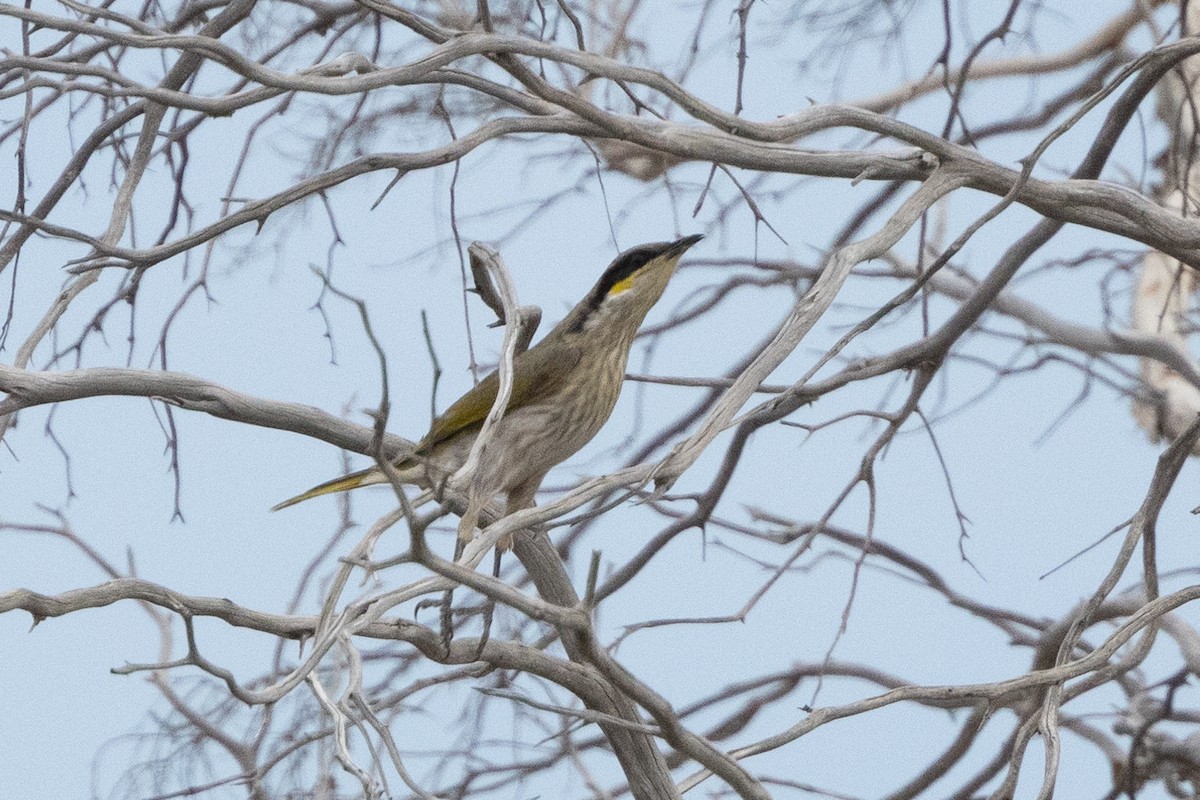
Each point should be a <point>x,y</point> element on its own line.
<point>621,286</point>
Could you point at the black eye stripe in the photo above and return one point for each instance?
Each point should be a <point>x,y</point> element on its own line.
<point>626,264</point>
<point>623,267</point>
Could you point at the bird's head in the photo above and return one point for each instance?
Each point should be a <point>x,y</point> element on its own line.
<point>630,287</point>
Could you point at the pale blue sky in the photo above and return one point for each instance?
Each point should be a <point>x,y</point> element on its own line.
<point>1031,504</point>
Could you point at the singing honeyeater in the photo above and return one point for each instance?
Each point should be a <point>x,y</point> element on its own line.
<point>563,390</point>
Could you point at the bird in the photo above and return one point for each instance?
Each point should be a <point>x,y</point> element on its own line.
<point>564,389</point>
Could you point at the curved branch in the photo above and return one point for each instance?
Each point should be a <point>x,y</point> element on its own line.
<point>26,389</point>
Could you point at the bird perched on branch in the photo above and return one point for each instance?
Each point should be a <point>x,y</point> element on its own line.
<point>563,390</point>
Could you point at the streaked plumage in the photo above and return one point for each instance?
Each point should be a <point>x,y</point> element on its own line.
<point>564,389</point>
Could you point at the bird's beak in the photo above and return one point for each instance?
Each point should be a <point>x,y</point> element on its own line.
<point>680,246</point>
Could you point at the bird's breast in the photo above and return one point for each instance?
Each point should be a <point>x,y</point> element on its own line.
<point>532,439</point>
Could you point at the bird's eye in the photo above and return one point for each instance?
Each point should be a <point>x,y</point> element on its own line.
<point>620,275</point>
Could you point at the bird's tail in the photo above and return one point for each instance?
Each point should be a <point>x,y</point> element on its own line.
<point>342,484</point>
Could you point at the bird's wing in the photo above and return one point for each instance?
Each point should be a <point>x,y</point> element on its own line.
<point>536,373</point>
